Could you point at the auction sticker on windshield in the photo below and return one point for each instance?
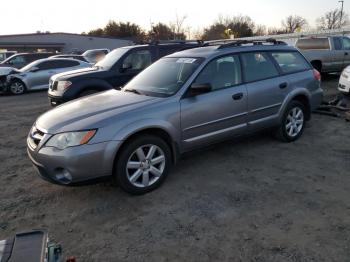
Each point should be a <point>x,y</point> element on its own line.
<point>186,60</point>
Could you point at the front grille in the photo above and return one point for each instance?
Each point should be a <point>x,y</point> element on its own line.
<point>35,137</point>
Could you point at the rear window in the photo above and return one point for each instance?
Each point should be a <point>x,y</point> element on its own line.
<point>290,62</point>
<point>312,43</point>
<point>258,66</point>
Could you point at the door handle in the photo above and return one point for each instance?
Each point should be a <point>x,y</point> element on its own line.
<point>283,85</point>
<point>346,53</point>
<point>237,96</point>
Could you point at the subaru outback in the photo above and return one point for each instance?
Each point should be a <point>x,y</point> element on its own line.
<point>184,101</point>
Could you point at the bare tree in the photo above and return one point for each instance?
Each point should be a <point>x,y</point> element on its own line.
<point>333,19</point>
<point>260,30</point>
<point>177,26</point>
<point>293,22</point>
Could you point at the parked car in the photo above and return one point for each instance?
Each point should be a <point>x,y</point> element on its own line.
<point>72,56</point>
<point>326,54</point>
<point>95,55</point>
<point>344,81</point>
<point>20,60</point>
<point>115,70</point>
<point>36,75</point>
<point>6,54</point>
<point>182,102</point>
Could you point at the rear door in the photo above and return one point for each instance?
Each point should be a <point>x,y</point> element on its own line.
<point>266,89</point>
<point>218,114</point>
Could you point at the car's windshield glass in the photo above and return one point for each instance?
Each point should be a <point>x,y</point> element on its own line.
<point>29,66</point>
<point>165,77</point>
<point>111,58</point>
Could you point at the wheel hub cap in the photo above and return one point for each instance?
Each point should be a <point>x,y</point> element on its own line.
<point>295,121</point>
<point>145,165</point>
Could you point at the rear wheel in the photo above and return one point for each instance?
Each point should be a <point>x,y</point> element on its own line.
<point>293,122</point>
<point>142,164</point>
<point>17,87</point>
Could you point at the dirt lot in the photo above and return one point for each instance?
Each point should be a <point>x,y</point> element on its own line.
<point>255,199</point>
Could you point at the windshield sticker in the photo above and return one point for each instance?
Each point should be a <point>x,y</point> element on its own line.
<point>186,60</point>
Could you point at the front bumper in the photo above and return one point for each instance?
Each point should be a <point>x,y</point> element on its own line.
<point>73,164</point>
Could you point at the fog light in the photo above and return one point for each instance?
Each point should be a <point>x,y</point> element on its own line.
<point>62,175</point>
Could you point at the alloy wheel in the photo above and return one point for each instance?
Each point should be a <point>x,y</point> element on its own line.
<point>145,165</point>
<point>17,88</point>
<point>294,122</point>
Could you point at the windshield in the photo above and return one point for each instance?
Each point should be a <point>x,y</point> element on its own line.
<point>111,58</point>
<point>29,66</point>
<point>165,77</point>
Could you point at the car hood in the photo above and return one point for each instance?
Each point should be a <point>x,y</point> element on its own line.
<point>7,70</point>
<point>76,73</point>
<point>93,111</point>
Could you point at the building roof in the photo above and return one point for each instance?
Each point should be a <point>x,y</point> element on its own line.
<point>62,33</point>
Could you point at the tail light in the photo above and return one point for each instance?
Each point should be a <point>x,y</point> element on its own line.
<point>317,75</point>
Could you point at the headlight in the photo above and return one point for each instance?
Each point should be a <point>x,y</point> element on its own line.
<point>63,85</point>
<point>68,139</point>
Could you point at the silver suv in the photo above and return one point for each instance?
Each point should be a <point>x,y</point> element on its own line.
<point>184,101</point>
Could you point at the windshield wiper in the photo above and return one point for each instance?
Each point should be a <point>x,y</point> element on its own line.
<point>132,91</point>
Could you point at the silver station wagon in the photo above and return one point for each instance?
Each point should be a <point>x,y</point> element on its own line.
<point>183,102</point>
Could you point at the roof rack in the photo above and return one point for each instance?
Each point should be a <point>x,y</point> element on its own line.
<point>226,43</point>
<point>159,42</point>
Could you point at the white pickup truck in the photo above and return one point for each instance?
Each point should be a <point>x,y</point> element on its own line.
<point>326,54</point>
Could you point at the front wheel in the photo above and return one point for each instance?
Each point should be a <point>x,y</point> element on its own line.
<point>293,122</point>
<point>143,164</point>
<point>17,87</point>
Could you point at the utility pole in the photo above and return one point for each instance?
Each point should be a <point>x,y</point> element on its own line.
<point>341,13</point>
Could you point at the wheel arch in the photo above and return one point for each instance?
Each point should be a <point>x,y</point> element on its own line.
<point>155,131</point>
<point>300,95</point>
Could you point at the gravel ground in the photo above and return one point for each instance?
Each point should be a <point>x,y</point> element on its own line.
<point>253,199</point>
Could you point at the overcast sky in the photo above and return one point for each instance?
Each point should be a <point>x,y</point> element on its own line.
<point>76,16</point>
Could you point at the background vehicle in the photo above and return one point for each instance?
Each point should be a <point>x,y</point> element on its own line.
<point>72,56</point>
<point>95,55</point>
<point>326,54</point>
<point>34,246</point>
<point>36,75</point>
<point>6,54</point>
<point>184,101</point>
<point>20,60</point>
<point>115,70</point>
<point>344,81</point>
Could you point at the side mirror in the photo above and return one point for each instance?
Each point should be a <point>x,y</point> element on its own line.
<point>34,69</point>
<point>200,88</point>
<point>125,67</point>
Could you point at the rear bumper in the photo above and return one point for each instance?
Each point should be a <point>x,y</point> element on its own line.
<point>316,99</point>
<point>74,164</point>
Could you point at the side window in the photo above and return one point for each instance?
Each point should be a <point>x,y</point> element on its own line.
<point>290,62</point>
<point>258,66</point>
<point>66,63</point>
<point>337,43</point>
<point>346,43</point>
<point>139,59</point>
<point>163,51</point>
<point>17,60</point>
<point>220,73</point>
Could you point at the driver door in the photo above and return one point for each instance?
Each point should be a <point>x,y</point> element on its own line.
<point>220,113</point>
<point>133,64</point>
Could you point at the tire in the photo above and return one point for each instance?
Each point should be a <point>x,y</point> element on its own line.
<point>17,87</point>
<point>134,171</point>
<point>88,92</point>
<point>293,122</point>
